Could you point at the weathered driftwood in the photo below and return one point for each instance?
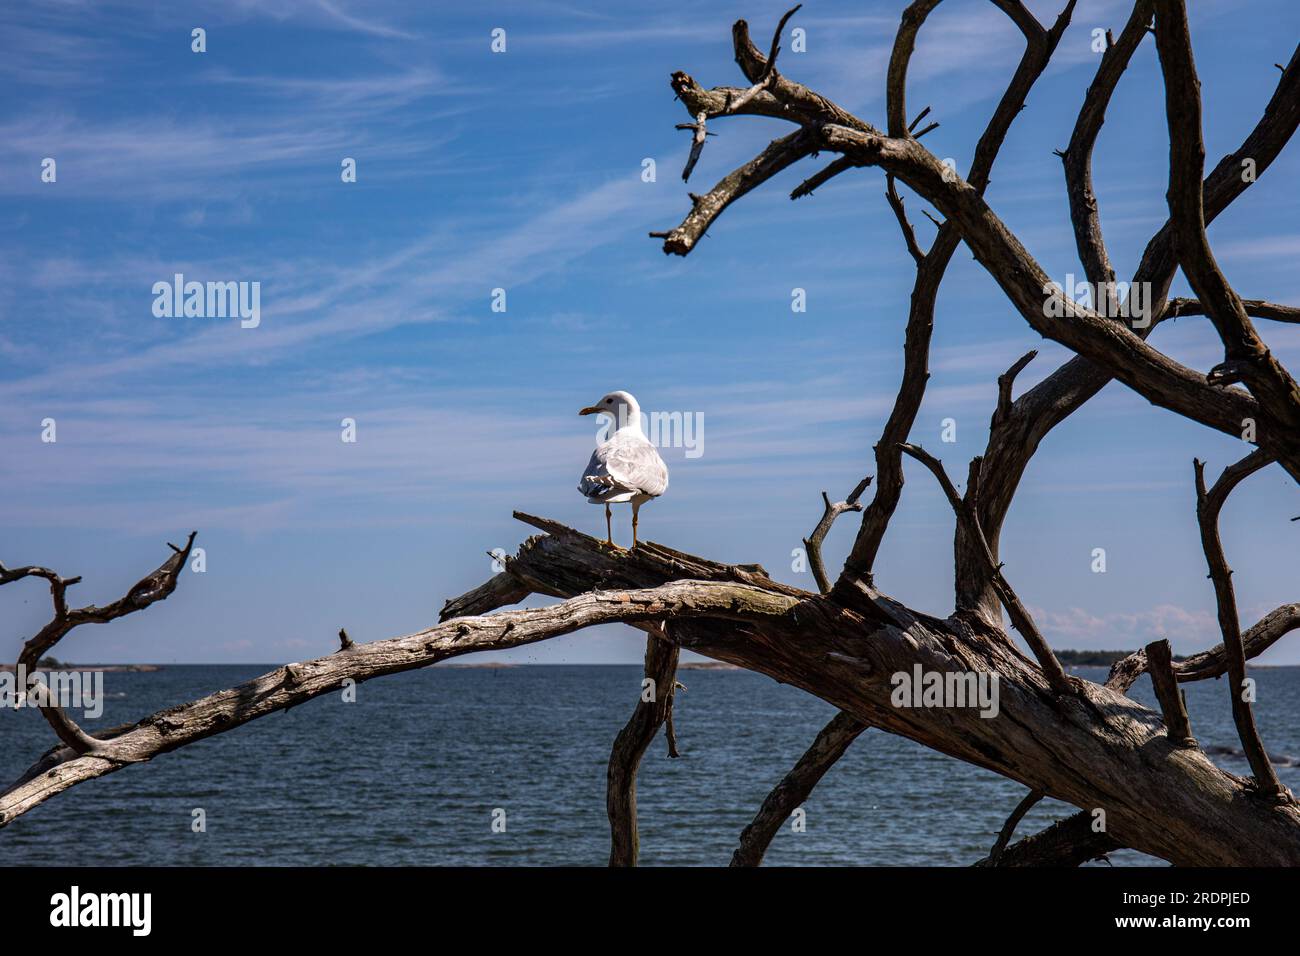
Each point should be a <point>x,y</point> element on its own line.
<point>653,710</point>
<point>295,683</point>
<point>1160,662</point>
<point>1137,779</point>
<point>1069,842</point>
<point>1208,505</point>
<point>1262,635</point>
<point>1027,803</point>
<point>827,747</point>
<point>1095,748</point>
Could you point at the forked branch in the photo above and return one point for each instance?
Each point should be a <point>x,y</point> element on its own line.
<point>830,511</point>
<point>1246,357</point>
<point>1021,619</point>
<point>148,590</point>
<point>1208,505</point>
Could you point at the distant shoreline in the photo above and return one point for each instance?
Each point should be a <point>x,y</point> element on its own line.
<point>1097,658</point>
<point>103,668</point>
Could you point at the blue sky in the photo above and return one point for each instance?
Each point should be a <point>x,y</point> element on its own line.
<point>522,171</point>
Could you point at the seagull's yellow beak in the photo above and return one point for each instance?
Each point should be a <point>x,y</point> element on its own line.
<point>590,410</point>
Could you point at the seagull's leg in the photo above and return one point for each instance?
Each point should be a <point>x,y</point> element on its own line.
<point>609,527</point>
<point>636,507</point>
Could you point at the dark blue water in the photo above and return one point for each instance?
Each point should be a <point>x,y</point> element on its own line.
<point>412,772</point>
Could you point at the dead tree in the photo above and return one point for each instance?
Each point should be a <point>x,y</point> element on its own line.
<point>1083,743</point>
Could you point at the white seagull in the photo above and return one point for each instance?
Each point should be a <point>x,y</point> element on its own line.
<point>626,467</point>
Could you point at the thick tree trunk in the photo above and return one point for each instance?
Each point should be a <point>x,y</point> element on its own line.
<point>1099,750</point>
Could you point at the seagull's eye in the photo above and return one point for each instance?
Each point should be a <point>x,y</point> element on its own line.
<point>609,401</point>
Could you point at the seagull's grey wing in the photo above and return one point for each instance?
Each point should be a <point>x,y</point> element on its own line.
<point>636,466</point>
<point>596,481</point>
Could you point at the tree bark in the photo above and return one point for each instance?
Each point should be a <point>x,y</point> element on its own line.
<point>1097,750</point>
<point>795,787</point>
<point>630,746</point>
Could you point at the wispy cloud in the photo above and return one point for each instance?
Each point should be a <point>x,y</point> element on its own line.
<point>347,93</point>
<point>479,171</point>
<point>1187,630</point>
<point>172,159</point>
<point>1259,247</point>
<point>323,14</point>
<point>430,279</point>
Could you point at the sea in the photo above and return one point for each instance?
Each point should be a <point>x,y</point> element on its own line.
<point>505,766</point>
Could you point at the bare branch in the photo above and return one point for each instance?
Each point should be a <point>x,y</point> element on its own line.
<point>896,80</point>
<point>1005,383</point>
<point>1047,404</point>
<point>768,75</point>
<point>630,745</point>
<point>294,684</point>
<point>500,590</point>
<point>565,563</point>
<point>148,590</point>
<point>822,176</point>
<point>737,103</point>
<point>1152,374</point>
<point>1019,614</point>
<point>701,132</point>
<point>1004,837</point>
<point>974,591</point>
<point>1208,505</point>
<point>1266,377</point>
<point>779,154</point>
<point>1267,631</point>
<point>1078,155</point>
<point>1255,308</point>
<point>1039,47</point>
<point>714,102</point>
<point>670,732</point>
<point>1068,842</point>
<point>828,747</point>
<point>813,543</point>
<point>1273,626</point>
<point>1160,659</point>
<point>797,102</point>
<point>1277,124</point>
<point>909,234</point>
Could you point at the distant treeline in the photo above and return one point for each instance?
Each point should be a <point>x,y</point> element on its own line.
<point>1097,658</point>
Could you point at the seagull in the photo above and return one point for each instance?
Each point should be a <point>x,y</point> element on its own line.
<point>626,467</point>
